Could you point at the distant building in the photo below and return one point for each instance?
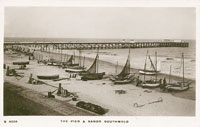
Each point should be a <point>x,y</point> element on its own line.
<point>167,40</point>
<point>178,41</point>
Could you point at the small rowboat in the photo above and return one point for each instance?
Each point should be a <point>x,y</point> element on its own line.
<point>74,70</point>
<point>126,81</point>
<point>169,58</point>
<point>92,76</point>
<point>148,72</point>
<point>21,63</point>
<point>48,77</point>
<point>150,84</point>
<point>175,88</point>
<point>91,107</point>
<point>53,64</point>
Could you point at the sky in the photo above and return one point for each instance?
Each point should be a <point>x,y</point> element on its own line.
<point>101,22</point>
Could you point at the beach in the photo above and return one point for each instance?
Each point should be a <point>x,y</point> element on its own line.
<point>136,101</point>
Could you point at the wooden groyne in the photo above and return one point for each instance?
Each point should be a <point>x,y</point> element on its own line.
<point>101,45</point>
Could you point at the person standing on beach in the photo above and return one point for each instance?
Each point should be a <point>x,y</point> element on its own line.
<point>138,81</point>
<point>164,84</point>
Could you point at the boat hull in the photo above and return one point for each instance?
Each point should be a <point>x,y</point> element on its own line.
<point>144,72</point>
<point>48,77</point>
<point>21,63</point>
<point>127,79</point>
<point>91,107</point>
<point>53,64</point>
<point>74,70</point>
<point>123,81</point>
<point>92,76</point>
<point>178,89</point>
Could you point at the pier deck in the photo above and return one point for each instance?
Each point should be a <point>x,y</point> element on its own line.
<point>99,45</point>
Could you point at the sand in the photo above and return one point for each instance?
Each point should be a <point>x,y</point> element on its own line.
<point>102,92</point>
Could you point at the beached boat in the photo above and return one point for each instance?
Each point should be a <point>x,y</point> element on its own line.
<point>152,70</point>
<point>147,72</point>
<point>91,107</point>
<point>125,80</point>
<point>77,69</point>
<point>21,63</point>
<point>92,72</point>
<point>169,58</point>
<point>153,83</point>
<point>71,70</point>
<point>150,84</point>
<point>124,77</point>
<point>53,64</point>
<point>70,63</point>
<point>178,86</point>
<point>48,77</point>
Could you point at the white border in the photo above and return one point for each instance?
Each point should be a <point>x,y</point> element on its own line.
<point>50,121</point>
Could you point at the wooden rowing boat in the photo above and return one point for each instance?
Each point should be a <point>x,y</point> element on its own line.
<point>74,70</point>
<point>48,77</point>
<point>153,83</point>
<point>150,84</point>
<point>21,63</point>
<point>177,88</point>
<point>124,77</point>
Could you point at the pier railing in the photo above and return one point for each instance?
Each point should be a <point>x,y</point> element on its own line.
<point>107,45</point>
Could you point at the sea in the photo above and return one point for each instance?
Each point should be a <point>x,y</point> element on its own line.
<point>166,57</point>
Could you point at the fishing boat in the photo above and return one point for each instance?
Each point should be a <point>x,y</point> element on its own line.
<point>124,77</point>
<point>92,72</point>
<point>48,77</point>
<point>152,83</point>
<point>178,86</point>
<point>21,63</point>
<point>77,69</point>
<point>152,70</point>
<point>69,63</point>
<point>53,63</point>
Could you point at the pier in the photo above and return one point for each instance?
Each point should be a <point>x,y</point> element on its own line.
<point>99,45</point>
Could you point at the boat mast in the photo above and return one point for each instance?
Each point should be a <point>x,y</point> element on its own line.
<point>74,57</point>
<point>183,70</point>
<point>61,53</point>
<point>170,73</point>
<point>116,68</point>
<point>97,66</point>
<point>49,52</point>
<point>145,63</point>
<point>83,61</point>
<point>156,65</point>
<point>129,59</point>
<point>80,57</point>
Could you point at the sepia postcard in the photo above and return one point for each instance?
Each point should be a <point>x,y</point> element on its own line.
<point>97,64</point>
